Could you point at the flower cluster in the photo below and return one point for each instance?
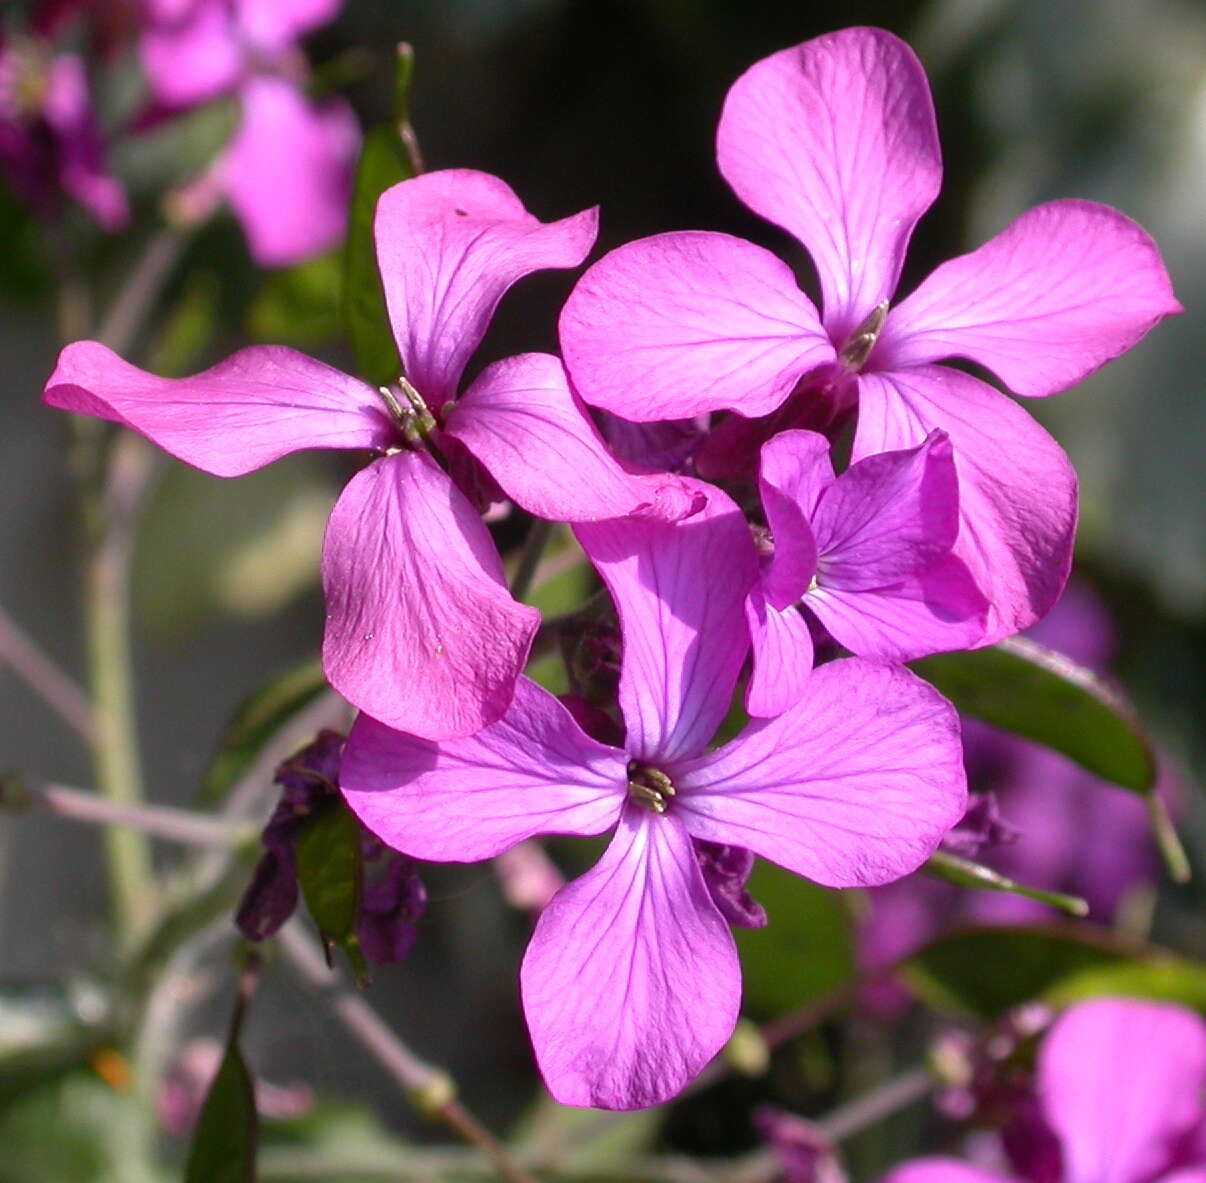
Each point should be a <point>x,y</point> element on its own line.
<point>739,552</point>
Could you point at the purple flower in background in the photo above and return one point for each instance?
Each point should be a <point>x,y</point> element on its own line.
<point>803,1151</point>
<point>392,897</point>
<point>50,143</point>
<point>834,140</point>
<point>868,554</point>
<point>421,630</point>
<point>631,982</point>
<point>1120,1085</point>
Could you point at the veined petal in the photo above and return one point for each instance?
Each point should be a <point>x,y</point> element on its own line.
<point>194,57</point>
<point>835,141</point>
<point>520,419</point>
<point>1017,491</point>
<point>854,786</point>
<point>422,633</point>
<point>942,1170</point>
<point>288,171</point>
<point>794,472</point>
<point>449,245</point>
<point>1120,1081</point>
<point>1061,291</point>
<point>679,324</point>
<point>462,800</point>
<point>256,406</point>
<point>631,983</point>
<point>679,589</point>
<point>782,650</point>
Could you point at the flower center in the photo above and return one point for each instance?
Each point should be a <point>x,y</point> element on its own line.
<point>408,411</point>
<point>649,787</point>
<point>858,348</point>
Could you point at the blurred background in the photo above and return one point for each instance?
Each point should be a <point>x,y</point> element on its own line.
<point>575,104</point>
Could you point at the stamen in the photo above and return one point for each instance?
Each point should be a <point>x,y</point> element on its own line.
<point>649,787</point>
<point>414,420</point>
<point>858,348</point>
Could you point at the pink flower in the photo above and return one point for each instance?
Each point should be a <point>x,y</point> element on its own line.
<point>421,631</point>
<point>1120,1085</point>
<point>631,982</point>
<point>835,141</point>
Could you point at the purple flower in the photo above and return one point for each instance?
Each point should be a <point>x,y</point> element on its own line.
<point>421,631</point>
<point>834,140</point>
<point>867,554</point>
<point>1120,1086</point>
<point>631,982</point>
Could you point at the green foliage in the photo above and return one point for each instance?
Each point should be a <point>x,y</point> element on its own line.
<point>965,872</point>
<point>1167,979</point>
<point>224,1143</point>
<point>328,870</point>
<point>299,306</point>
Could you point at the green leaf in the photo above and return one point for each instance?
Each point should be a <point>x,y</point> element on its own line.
<point>965,872</point>
<point>1165,980</point>
<point>328,870</point>
<point>987,971</point>
<point>256,720</point>
<point>224,1143</point>
<point>804,952</point>
<point>186,333</point>
<point>299,306</point>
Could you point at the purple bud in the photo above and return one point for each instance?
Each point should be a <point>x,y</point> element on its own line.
<point>802,1150</point>
<point>982,828</point>
<point>392,899</point>
<point>271,898</point>
<point>726,870</point>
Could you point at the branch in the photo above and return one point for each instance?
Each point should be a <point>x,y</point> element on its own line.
<point>22,654</point>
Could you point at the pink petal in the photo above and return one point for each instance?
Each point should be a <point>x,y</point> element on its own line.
<point>854,786</point>
<point>193,58</point>
<point>449,245</point>
<point>421,631</point>
<point>272,26</point>
<point>288,172</point>
<point>782,651</point>
<point>1120,1082</point>
<point>835,141</point>
<point>256,406</point>
<point>1017,491</point>
<point>520,419</point>
<point>680,592</point>
<point>795,471</point>
<point>678,324</point>
<point>942,1170</point>
<point>631,983</point>
<point>1061,291</point>
<point>462,800</point>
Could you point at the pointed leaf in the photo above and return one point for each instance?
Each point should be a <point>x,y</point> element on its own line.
<point>328,870</point>
<point>964,872</point>
<point>224,1144</point>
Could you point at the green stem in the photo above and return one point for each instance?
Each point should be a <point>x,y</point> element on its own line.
<point>539,534</point>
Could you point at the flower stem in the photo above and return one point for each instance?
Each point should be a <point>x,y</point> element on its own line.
<point>539,534</point>
<point>38,671</point>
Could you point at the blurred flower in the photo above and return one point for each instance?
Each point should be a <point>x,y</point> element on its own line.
<point>804,1153</point>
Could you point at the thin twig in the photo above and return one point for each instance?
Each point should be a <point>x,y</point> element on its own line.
<point>141,289</point>
<point>428,1088</point>
<point>539,533</point>
<point>58,690</point>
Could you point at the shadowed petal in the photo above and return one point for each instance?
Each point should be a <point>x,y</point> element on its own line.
<point>1062,290</point>
<point>680,592</point>
<point>532,772</point>
<point>782,646</point>
<point>795,471</point>
<point>631,983</point>
<point>520,419</point>
<point>1017,491</point>
<point>942,1170</point>
<point>835,141</point>
<point>422,633</point>
<point>678,324</point>
<point>288,172</point>
<point>1120,1082</point>
<point>449,245</point>
<point>854,786</point>
<point>256,406</point>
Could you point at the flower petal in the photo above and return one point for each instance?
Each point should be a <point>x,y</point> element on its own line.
<point>678,324</point>
<point>288,172</point>
<point>532,772</point>
<point>1017,491</point>
<point>422,633</point>
<point>631,983</point>
<point>1061,291</point>
<point>795,471</point>
<point>272,26</point>
<point>854,786</point>
<point>256,406</point>
<point>449,245</point>
<point>782,650</point>
<point>520,419</point>
<point>680,591</point>
<point>1120,1081</point>
<point>835,141</point>
<point>942,1170</point>
<point>193,55</point>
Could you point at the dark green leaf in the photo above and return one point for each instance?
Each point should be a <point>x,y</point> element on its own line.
<point>256,720</point>
<point>1166,980</point>
<point>299,306</point>
<point>224,1142</point>
<point>965,872</point>
<point>328,870</point>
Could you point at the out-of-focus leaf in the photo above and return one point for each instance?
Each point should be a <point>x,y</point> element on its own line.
<point>328,870</point>
<point>224,1142</point>
<point>257,718</point>
<point>964,872</point>
<point>987,971</point>
<point>186,333</point>
<point>577,1140</point>
<point>299,306</point>
<point>1166,980</point>
<point>803,953</point>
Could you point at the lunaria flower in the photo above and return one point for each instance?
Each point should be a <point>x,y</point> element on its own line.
<point>1120,1086</point>
<point>834,141</point>
<point>390,898</point>
<point>631,982</point>
<point>421,631</point>
<point>867,554</point>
